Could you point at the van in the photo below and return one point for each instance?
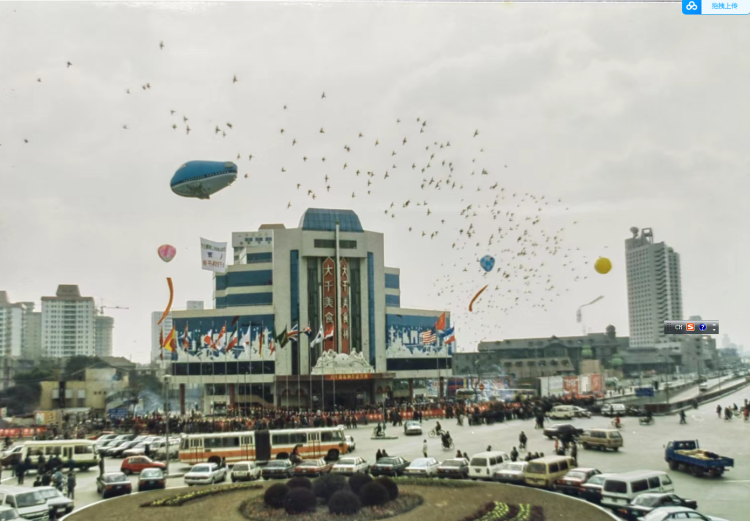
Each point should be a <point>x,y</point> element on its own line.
<point>621,489</point>
<point>29,503</point>
<point>703,387</point>
<point>613,409</point>
<point>484,464</point>
<point>601,439</point>
<point>562,412</point>
<point>543,472</point>
<point>82,452</point>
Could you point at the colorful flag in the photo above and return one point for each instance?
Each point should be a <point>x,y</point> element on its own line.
<point>329,333</point>
<point>293,333</point>
<point>218,344</point>
<point>429,337</point>
<point>260,342</point>
<point>448,332</point>
<point>169,342</point>
<point>307,331</point>
<point>318,338</point>
<point>440,324</point>
<point>282,339</point>
<point>186,339</point>
<point>245,342</point>
<point>450,339</point>
<point>208,338</point>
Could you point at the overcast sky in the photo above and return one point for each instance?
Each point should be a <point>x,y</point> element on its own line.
<point>632,115</point>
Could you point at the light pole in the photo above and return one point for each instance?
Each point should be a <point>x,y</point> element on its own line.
<point>166,422</point>
<point>579,315</point>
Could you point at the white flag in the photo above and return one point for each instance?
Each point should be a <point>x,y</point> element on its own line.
<point>318,338</point>
<point>214,255</point>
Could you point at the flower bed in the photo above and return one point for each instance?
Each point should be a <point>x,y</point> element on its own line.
<point>499,511</point>
<point>181,499</point>
<point>255,510</point>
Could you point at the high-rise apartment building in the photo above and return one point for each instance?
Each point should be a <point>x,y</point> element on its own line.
<point>156,328</point>
<point>194,304</point>
<point>31,348</point>
<point>654,288</point>
<point>68,324</point>
<point>103,335</point>
<point>11,326</point>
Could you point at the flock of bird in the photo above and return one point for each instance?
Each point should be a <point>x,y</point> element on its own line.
<point>434,187</point>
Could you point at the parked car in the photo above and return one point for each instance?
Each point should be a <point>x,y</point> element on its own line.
<point>105,446</point>
<point>245,471</point>
<point>138,463</point>
<point>152,479</point>
<point>312,467</point>
<point>349,440</point>
<point>591,491</point>
<point>278,468</point>
<point>113,484</point>
<point>9,514</point>
<point>601,439</point>
<point>454,468</point>
<point>669,513</point>
<point>351,466</point>
<point>614,409</point>
<point>138,450</point>
<point>159,448</point>
<point>571,483</point>
<point>205,474</point>
<point>115,452</point>
<point>422,467</point>
<point>511,472</point>
<point>412,428</point>
<point>106,437</point>
<point>389,466</point>
<point>558,429</point>
<point>645,503</point>
<point>580,412</point>
<point>58,504</point>
<point>12,456</point>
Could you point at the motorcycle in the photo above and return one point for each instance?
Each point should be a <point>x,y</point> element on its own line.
<point>376,434</point>
<point>450,445</point>
<point>646,421</point>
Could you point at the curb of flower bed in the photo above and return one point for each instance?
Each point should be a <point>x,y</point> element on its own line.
<point>181,499</point>
<point>432,482</point>
<point>572,498</point>
<point>384,438</point>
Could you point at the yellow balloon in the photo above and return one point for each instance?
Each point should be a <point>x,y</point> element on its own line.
<point>602,265</point>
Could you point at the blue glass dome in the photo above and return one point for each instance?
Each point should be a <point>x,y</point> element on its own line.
<point>323,219</point>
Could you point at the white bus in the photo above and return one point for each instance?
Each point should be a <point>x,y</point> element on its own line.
<point>82,452</point>
<point>232,447</point>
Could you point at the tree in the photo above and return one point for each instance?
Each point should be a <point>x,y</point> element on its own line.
<point>24,396</point>
<point>75,367</point>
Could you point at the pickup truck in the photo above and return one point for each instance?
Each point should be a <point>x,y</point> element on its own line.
<point>689,457</point>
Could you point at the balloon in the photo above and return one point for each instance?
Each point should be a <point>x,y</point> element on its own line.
<point>602,265</point>
<point>471,304</point>
<point>202,179</point>
<point>487,263</point>
<point>167,252</point>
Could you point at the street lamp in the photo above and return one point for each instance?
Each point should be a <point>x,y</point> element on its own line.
<point>166,422</point>
<point>579,315</point>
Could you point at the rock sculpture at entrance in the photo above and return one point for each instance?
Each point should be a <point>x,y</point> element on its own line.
<point>332,362</point>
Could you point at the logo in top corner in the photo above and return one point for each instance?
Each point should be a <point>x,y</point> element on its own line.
<point>691,6</point>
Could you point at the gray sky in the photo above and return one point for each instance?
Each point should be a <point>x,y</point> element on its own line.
<point>633,115</point>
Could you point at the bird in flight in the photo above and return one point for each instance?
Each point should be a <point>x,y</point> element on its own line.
<point>187,129</point>
<point>322,131</point>
<point>161,45</point>
<point>235,80</point>
<point>323,96</point>
<point>289,205</point>
<point>69,65</point>
<point>476,133</point>
<point>404,142</point>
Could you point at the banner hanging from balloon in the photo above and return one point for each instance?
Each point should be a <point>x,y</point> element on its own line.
<point>214,255</point>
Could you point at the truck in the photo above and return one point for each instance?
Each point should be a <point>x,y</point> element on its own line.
<point>687,456</point>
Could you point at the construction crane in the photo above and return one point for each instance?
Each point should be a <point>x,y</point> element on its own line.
<point>102,308</point>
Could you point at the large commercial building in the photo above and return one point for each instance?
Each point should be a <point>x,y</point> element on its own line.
<point>328,274</point>
<point>654,288</point>
<point>68,324</point>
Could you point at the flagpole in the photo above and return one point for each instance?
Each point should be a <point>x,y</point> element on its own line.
<point>237,359</point>
<point>226,374</point>
<point>163,367</point>
<point>299,369</point>
<point>262,371</point>
<point>187,365</point>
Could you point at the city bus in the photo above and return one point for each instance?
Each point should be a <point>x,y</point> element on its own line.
<point>231,447</point>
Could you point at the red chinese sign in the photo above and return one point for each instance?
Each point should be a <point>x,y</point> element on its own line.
<point>596,383</point>
<point>570,384</point>
<point>344,306</point>
<point>359,376</point>
<point>329,303</point>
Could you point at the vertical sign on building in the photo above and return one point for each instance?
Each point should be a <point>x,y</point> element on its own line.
<point>345,338</point>
<point>329,303</point>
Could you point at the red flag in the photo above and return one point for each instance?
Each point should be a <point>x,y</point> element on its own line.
<point>260,342</point>
<point>440,324</point>
<point>161,343</point>
<point>185,342</point>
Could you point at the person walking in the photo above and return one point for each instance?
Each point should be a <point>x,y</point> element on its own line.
<point>522,439</point>
<point>101,466</point>
<point>71,485</point>
<point>424,448</point>
<point>59,480</point>
<point>514,455</point>
<point>574,453</point>
<point>20,471</point>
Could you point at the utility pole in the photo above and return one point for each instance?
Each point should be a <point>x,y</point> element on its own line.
<point>166,421</point>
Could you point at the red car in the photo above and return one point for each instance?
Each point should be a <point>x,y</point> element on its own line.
<point>312,467</point>
<point>135,464</point>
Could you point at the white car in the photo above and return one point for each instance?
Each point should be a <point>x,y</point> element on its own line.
<point>351,466</point>
<point>580,412</point>
<point>422,467</point>
<point>9,514</point>
<point>412,427</point>
<point>349,440</point>
<point>511,472</point>
<point>245,471</point>
<point>669,513</point>
<point>205,474</point>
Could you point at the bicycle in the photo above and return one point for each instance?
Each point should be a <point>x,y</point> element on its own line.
<point>434,433</point>
<point>377,434</point>
<point>618,425</point>
<point>450,446</point>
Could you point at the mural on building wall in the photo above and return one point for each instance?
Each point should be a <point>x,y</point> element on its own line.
<point>415,337</point>
<point>223,341</point>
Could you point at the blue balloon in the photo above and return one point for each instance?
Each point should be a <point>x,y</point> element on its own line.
<point>487,263</point>
<point>202,179</point>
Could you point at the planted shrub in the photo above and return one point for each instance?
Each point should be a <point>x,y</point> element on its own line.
<point>300,500</point>
<point>374,494</point>
<point>327,484</point>
<point>389,485</point>
<point>357,481</point>
<point>344,502</point>
<point>274,495</point>
<point>299,482</point>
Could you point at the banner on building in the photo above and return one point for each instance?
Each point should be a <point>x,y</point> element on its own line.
<point>584,384</point>
<point>329,302</point>
<point>570,384</point>
<point>345,332</point>
<point>214,255</point>
<point>596,383</point>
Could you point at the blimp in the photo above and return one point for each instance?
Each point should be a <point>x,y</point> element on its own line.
<point>202,179</point>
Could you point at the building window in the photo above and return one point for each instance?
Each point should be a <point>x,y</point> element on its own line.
<point>257,258</point>
<point>392,281</point>
<point>331,243</point>
<point>248,299</point>
<point>393,301</point>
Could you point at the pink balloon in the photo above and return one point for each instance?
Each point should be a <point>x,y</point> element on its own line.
<point>167,252</point>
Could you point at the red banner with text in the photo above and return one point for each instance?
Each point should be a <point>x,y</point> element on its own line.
<point>344,306</point>
<point>329,303</point>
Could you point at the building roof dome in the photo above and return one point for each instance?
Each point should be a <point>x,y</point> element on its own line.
<point>324,219</point>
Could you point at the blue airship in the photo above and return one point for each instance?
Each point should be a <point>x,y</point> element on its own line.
<point>202,179</point>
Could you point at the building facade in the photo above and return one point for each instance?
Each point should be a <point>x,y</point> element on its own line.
<point>32,339</point>
<point>103,335</point>
<point>654,287</point>
<point>11,327</point>
<point>157,331</point>
<point>328,275</point>
<point>68,324</point>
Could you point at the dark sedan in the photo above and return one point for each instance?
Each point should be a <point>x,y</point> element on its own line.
<point>152,479</point>
<point>113,484</point>
<point>457,468</point>
<point>562,429</point>
<point>278,468</point>
<point>570,484</point>
<point>389,466</point>
<point>116,452</point>
<point>645,503</point>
